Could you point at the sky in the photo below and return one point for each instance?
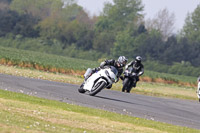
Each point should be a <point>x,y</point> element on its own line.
<point>151,7</point>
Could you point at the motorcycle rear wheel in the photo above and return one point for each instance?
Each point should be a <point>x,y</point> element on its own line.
<point>97,88</point>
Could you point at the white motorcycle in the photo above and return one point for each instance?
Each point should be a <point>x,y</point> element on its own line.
<point>96,82</point>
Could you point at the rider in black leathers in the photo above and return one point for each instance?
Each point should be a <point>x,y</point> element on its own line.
<point>118,64</point>
<point>138,66</point>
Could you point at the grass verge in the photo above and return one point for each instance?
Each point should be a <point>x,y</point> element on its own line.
<point>24,114</point>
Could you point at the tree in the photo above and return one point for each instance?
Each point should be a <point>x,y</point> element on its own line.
<point>149,45</point>
<point>120,14</point>
<point>114,25</point>
<point>12,22</point>
<point>163,22</point>
<point>191,29</point>
<point>68,2</point>
<point>72,25</point>
<point>8,20</point>
<point>26,26</point>
<point>104,41</point>
<point>37,8</point>
<point>172,52</point>
<point>124,44</point>
<point>4,4</point>
<point>6,1</point>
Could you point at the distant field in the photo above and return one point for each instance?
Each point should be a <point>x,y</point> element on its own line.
<point>54,63</point>
<point>25,58</point>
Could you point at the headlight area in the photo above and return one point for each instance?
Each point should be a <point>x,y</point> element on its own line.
<point>107,73</point>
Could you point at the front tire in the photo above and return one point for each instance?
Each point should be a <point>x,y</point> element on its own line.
<point>81,90</point>
<point>97,88</point>
<point>126,84</point>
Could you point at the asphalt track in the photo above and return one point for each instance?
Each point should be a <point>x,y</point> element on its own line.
<point>173,111</point>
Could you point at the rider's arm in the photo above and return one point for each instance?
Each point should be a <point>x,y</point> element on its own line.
<point>120,71</point>
<point>102,64</point>
<point>129,64</point>
<point>141,71</point>
<point>107,62</point>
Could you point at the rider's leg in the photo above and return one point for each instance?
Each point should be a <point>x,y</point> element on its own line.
<point>95,69</point>
<point>137,79</point>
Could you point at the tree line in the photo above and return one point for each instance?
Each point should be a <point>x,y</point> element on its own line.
<point>65,28</point>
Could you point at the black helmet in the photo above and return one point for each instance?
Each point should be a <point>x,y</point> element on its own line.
<point>138,58</point>
<point>122,60</point>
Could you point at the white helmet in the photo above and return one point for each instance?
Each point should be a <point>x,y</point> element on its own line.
<point>122,60</point>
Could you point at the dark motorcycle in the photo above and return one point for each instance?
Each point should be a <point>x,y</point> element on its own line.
<point>129,79</point>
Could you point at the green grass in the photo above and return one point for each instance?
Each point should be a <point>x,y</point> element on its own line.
<point>23,113</point>
<point>53,61</point>
<point>172,77</point>
<point>47,60</point>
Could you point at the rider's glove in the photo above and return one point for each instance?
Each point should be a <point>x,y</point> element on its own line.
<point>126,67</point>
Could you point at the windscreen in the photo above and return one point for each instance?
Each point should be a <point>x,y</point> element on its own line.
<point>130,69</point>
<point>114,70</point>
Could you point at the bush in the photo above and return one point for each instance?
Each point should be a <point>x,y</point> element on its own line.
<point>51,47</point>
<point>176,68</point>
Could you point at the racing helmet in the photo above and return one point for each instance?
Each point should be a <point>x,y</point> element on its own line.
<point>122,60</point>
<point>138,58</point>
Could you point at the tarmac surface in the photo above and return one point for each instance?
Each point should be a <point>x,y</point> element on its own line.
<point>173,111</point>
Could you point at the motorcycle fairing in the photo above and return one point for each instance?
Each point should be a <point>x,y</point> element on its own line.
<point>91,81</point>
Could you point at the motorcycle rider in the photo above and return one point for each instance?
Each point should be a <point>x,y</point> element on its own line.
<point>138,66</point>
<point>118,64</point>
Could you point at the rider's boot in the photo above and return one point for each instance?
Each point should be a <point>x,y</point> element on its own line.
<point>134,85</point>
<point>95,70</point>
<point>109,87</point>
<point>92,72</point>
<point>123,89</point>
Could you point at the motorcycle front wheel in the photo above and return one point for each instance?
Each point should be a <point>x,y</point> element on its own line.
<point>97,88</point>
<point>126,85</point>
<point>81,90</point>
